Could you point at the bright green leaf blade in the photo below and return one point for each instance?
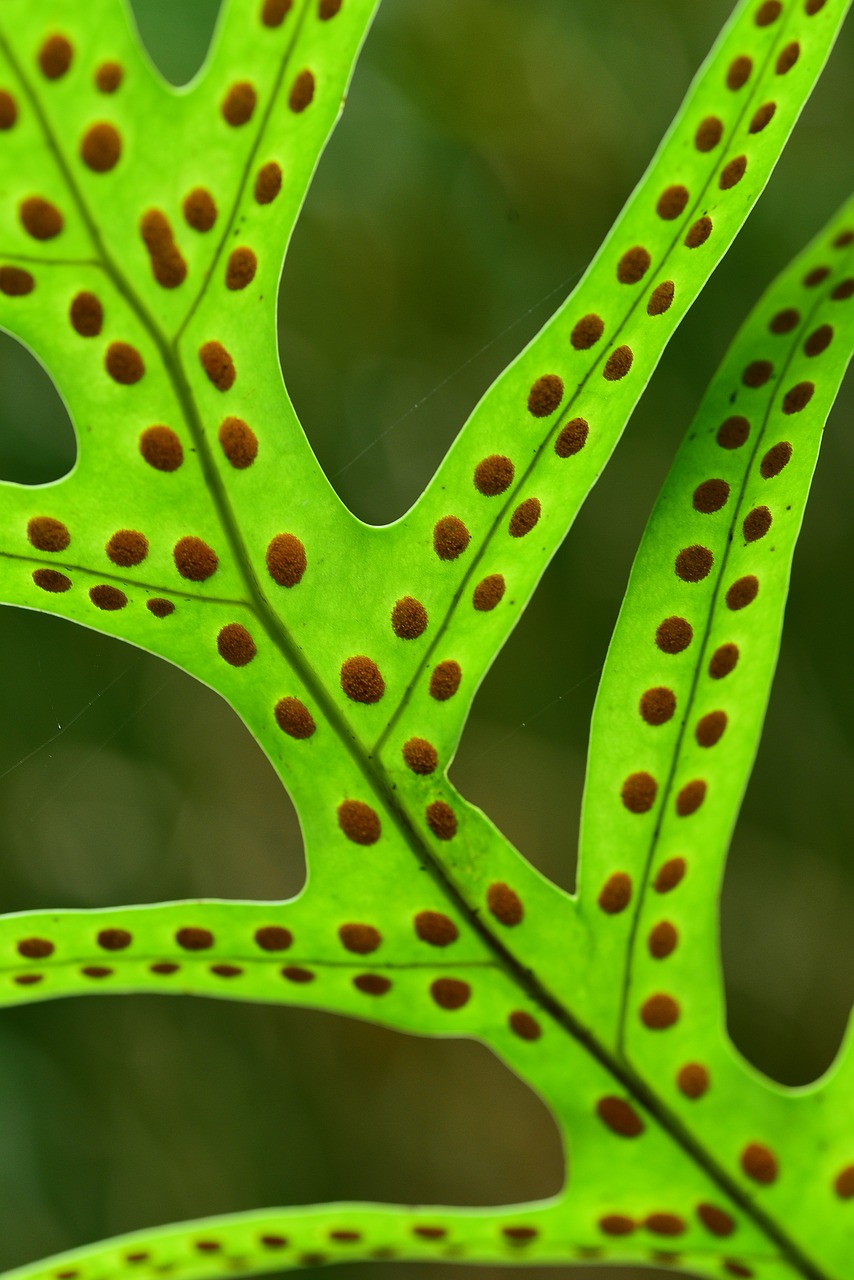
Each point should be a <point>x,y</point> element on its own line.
<point>282,1239</point>
<point>412,975</point>
<point>144,949</point>
<point>278,636</point>
<point>260,627</point>
<point>710,578</point>
<point>553,418</point>
<point>416,970</point>
<point>677,725</point>
<point>126,335</point>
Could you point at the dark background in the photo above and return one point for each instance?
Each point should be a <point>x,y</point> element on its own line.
<point>486,148</point>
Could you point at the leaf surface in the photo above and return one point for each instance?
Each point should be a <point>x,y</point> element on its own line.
<point>141,236</point>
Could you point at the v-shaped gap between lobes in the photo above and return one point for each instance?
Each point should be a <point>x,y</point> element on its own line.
<point>700,666</point>
<point>518,484</point>
<point>372,770</point>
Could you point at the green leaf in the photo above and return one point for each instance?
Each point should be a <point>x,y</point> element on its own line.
<point>141,237</point>
<point>677,724</point>
<point>555,415</point>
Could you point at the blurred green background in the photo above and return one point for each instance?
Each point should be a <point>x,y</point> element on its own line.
<point>486,147</point>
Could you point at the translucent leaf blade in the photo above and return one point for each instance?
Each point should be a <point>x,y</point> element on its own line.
<point>677,725</point>
<point>504,497</point>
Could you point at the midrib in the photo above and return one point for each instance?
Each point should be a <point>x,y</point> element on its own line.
<point>369,766</point>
